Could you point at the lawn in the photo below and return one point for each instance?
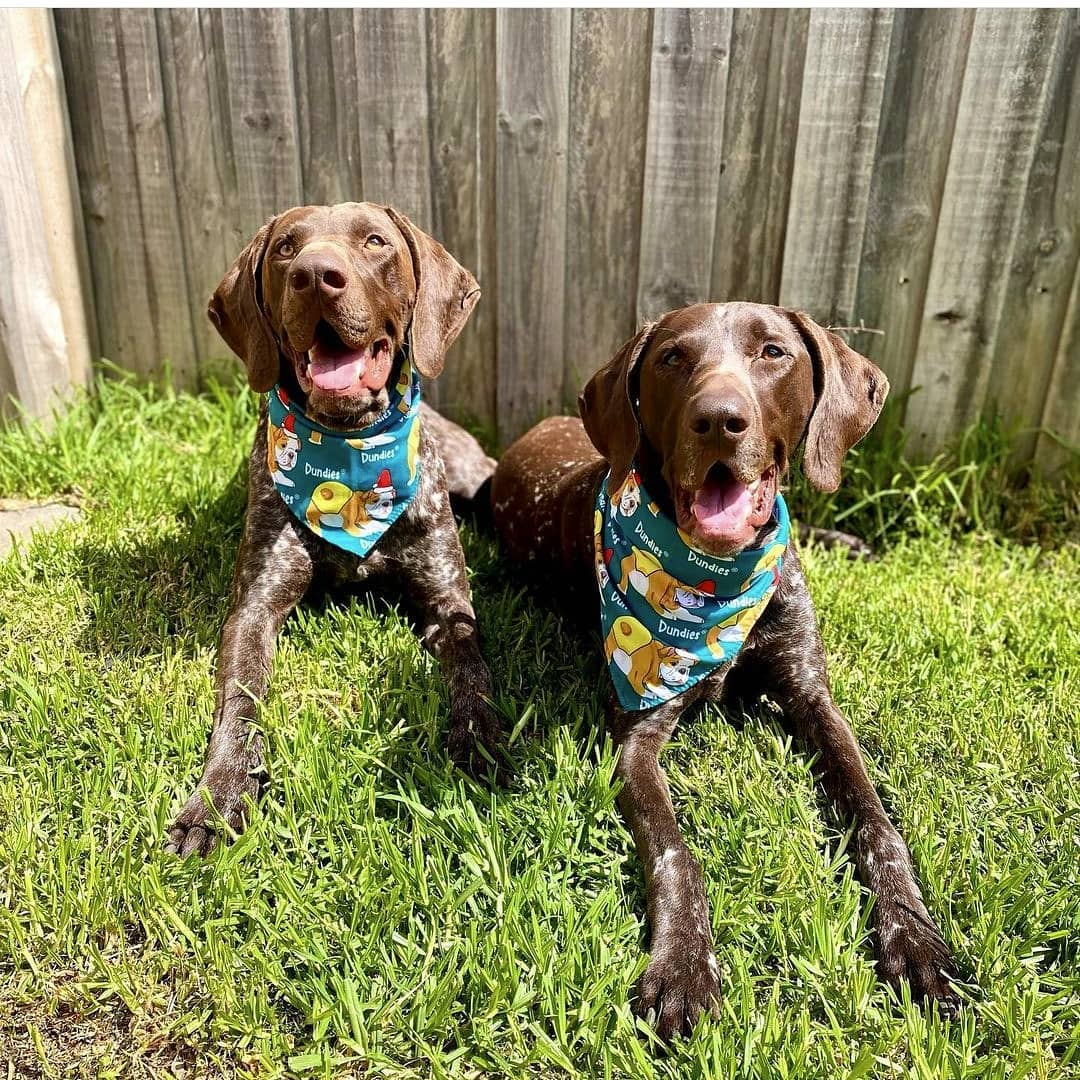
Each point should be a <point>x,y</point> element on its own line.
<point>382,916</point>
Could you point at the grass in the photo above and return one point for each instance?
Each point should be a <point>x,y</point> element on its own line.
<point>383,917</point>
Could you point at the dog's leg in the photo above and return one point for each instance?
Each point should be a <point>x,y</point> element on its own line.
<point>682,979</point>
<point>273,571</point>
<point>438,588</point>
<point>909,944</point>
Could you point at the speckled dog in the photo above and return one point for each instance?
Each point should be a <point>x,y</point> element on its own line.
<point>322,303</point>
<point>708,404</point>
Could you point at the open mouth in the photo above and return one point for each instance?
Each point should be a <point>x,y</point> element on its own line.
<point>333,366</point>
<point>724,513</point>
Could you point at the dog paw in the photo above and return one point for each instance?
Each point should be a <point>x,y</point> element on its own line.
<point>911,949</point>
<point>680,984</point>
<point>196,828</point>
<point>475,741</point>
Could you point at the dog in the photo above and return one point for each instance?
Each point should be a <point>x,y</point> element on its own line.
<point>322,304</point>
<point>649,665</point>
<point>709,403</point>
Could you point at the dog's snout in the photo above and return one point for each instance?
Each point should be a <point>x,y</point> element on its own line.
<point>726,415</point>
<point>321,271</point>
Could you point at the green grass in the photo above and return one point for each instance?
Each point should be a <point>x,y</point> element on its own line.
<point>383,917</point>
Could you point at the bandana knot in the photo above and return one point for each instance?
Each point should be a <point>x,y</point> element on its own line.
<point>670,613</point>
<point>347,487</point>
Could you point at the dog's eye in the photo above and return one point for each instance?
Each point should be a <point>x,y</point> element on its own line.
<point>285,248</point>
<point>672,358</point>
<point>773,352</point>
<point>374,242</point>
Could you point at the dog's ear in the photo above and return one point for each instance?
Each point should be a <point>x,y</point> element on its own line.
<point>849,392</point>
<point>607,407</point>
<point>236,311</point>
<point>446,293</point>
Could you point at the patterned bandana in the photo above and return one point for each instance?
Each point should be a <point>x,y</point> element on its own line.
<point>671,614</point>
<point>347,487</point>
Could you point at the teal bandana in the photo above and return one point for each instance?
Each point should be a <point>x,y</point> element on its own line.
<point>347,487</point>
<point>671,614</point>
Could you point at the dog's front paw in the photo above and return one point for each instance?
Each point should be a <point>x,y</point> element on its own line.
<point>195,830</point>
<point>681,982</point>
<point>475,741</point>
<point>911,949</point>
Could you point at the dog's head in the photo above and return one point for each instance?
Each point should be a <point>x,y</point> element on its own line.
<point>712,400</point>
<point>321,300</point>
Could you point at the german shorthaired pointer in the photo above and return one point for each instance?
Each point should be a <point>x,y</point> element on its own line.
<point>325,305</point>
<point>704,409</point>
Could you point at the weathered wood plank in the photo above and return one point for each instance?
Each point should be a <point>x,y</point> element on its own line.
<point>761,117</point>
<point>1059,440</point>
<point>205,181</point>
<point>609,96</point>
<point>993,146</point>
<point>44,107</point>
<point>461,51</point>
<point>262,111</point>
<point>116,102</point>
<point>33,345</point>
<point>843,80</point>
<point>532,71</point>
<point>392,109</point>
<point>1046,250</point>
<point>923,80</point>
<point>324,56</point>
<point>688,87</point>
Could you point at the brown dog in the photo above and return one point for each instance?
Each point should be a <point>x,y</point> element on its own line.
<point>709,403</point>
<point>321,302</point>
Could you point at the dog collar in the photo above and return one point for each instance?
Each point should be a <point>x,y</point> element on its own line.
<point>669,613</point>
<point>347,487</point>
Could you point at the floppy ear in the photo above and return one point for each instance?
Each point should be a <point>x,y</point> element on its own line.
<point>607,409</point>
<point>236,311</point>
<point>849,392</point>
<point>446,293</point>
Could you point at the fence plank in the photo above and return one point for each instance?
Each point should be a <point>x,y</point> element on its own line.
<point>761,118</point>
<point>690,52</point>
<point>205,183</point>
<point>993,144</point>
<point>324,58</point>
<point>609,95</point>
<point>392,109</point>
<point>461,51</point>
<point>33,345</point>
<point>925,72</point>
<point>846,52</point>
<point>1046,249</point>
<point>262,111</point>
<point>128,190</point>
<point>1059,439</point>
<point>532,71</point>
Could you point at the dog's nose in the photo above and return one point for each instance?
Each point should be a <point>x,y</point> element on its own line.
<point>321,270</point>
<point>726,415</point>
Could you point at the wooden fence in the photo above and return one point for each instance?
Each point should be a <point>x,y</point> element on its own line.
<point>916,172</point>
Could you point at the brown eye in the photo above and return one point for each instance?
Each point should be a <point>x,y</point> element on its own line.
<point>285,249</point>
<point>773,352</point>
<point>374,242</point>
<point>672,358</point>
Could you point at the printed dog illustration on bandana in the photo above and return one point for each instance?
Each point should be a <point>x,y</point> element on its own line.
<point>335,506</point>
<point>733,631</point>
<point>665,594</point>
<point>628,497</point>
<point>283,448</point>
<point>651,667</point>
<point>602,557</point>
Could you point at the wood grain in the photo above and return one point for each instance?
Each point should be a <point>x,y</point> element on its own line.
<point>532,71</point>
<point>761,118</point>
<point>609,101</point>
<point>843,81</point>
<point>688,88</point>
<point>993,149</point>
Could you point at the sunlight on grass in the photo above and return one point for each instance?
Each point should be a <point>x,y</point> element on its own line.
<point>384,917</point>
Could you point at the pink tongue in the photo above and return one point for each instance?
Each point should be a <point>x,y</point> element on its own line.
<point>722,508</point>
<point>337,371</point>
